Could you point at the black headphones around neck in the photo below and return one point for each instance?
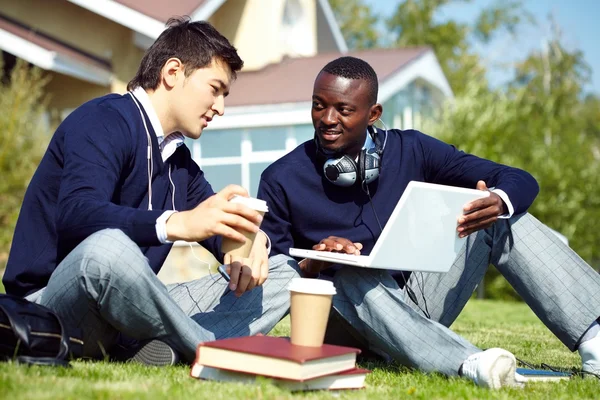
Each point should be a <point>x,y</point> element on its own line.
<point>345,171</point>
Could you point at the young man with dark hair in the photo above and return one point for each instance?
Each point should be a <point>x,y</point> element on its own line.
<point>117,186</point>
<point>407,318</point>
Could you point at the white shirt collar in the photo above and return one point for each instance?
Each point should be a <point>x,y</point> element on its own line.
<point>174,140</point>
<point>369,144</point>
<point>141,95</point>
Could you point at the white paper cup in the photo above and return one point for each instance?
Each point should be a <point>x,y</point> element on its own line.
<point>310,307</point>
<point>242,249</point>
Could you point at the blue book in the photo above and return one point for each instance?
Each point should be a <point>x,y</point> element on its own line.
<point>542,375</point>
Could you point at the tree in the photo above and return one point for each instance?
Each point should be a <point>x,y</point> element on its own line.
<point>24,135</point>
<point>566,158</point>
<point>414,24</point>
<point>357,23</point>
<point>541,124</point>
<point>542,121</point>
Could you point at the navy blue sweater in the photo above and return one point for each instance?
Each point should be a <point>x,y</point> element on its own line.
<point>94,175</point>
<point>305,208</point>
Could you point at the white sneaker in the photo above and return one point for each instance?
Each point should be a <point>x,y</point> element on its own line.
<point>590,355</point>
<point>493,368</point>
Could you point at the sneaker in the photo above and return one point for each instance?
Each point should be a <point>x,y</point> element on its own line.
<point>590,355</point>
<point>493,368</point>
<point>151,352</point>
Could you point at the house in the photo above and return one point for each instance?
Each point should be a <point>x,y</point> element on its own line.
<point>93,47</point>
<point>268,111</point>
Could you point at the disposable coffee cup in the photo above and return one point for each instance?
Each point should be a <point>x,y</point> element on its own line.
<point>310,307</point>
<point>242,249</point>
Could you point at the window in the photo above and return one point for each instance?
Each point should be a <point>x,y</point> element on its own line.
<point>304,133</point>
<point>220,176</point>
<point>220,143</point>
<point>239,156</point>
<point>255,171</point>
<point>268,138</point>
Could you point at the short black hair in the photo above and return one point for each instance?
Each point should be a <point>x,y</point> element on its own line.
<point>196,44</point>
<point>355,68</point>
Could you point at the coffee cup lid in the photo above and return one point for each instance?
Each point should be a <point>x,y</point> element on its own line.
<point>254,203</point>
<point>312,286</point>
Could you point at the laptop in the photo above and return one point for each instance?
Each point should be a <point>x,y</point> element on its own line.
<point>420,234</point>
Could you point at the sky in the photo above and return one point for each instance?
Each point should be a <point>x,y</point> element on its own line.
<point>579,21</point>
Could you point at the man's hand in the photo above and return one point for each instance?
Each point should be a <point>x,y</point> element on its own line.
<point>334,244</point>
<point>338,245</point>
<point>247,273</point>
<point>481,213</point>
<point>214,216</point>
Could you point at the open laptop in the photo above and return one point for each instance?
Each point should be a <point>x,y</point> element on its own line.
<point>420,234</point>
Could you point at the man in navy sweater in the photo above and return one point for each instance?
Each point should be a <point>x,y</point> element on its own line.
<point>117,186</point>
<point>407,318</point>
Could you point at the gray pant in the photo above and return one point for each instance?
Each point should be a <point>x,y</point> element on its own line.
<point>105,286</point>
<point>561,289</point>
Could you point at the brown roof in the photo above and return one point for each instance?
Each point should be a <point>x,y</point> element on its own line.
<point>292,80</point>
<point>51,44</point>
<point>162,10</point>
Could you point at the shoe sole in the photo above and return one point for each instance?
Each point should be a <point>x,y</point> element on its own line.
<point>156,353</point>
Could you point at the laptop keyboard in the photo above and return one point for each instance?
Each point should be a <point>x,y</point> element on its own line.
<point>343,257</point>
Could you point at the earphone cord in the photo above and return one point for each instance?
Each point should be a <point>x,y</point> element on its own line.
<point>148,151</point>
<point>151,171</point>
<point>211,273</point>
<point>409,291</point>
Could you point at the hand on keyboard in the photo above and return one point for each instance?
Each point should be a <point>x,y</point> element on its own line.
<point>338,245</point>
<point>312,268</point>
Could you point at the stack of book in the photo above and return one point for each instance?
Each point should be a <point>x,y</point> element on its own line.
<point>293,367</point>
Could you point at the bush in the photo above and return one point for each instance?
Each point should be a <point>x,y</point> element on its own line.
<point>24,135</point>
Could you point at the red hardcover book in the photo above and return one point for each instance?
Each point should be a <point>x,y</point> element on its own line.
<point>275,357</point>
<point>351,379</point>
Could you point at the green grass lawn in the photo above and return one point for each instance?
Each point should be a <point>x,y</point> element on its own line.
<point>486,323</point>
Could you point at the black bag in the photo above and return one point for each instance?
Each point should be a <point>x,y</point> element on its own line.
<point>33,334</point>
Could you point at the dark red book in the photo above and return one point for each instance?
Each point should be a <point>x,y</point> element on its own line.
<point>276,357</point>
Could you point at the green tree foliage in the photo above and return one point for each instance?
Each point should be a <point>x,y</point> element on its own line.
<point>415,24</point>
<point>566,155</point>
<point>357,23</point>
<point>590,115</point>
<point>543,121</point>
<point>24,135</point>
<point>542,125</point>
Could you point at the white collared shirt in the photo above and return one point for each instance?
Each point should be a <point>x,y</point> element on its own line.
<point>167,145</point>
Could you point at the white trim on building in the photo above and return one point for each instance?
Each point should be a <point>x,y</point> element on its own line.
<point>333,25</point>
<point>152,28</point>
<point>146,29</point>
<point>263,115</point>
<point>53,61</point>
<point>123,15</point>
<point>425,67</point>
<point>207,9</point>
